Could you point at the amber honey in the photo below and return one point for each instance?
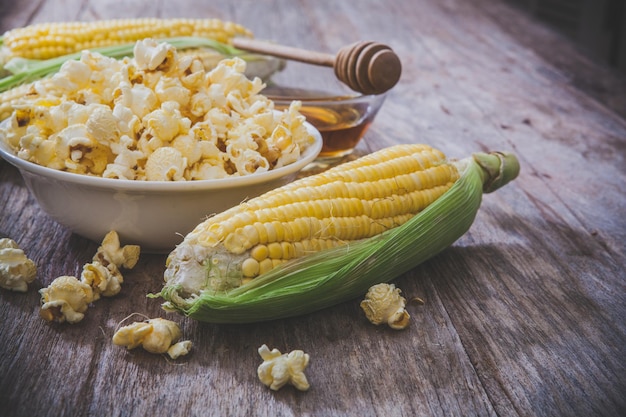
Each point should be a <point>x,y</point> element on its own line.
<point>341,127</point>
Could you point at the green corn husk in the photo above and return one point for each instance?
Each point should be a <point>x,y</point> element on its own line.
<point>337,275</point>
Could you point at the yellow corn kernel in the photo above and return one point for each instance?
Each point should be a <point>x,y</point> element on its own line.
<point>48,40</point>
<point>265,265</point>
<point>250,267</point>
<point>275,250</point>
<point>288,250</point>
<point>259,252</point>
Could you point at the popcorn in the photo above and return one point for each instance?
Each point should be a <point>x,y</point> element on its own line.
<point>104,280</point>
<point>279,369</point>
<point>16,269</point>
<point>150,55</point>
<point>166,122</point>
<point>171,89</point>
<point>67,298</point>
<point>384,304</point>
<point>155,336</point>
<point>165,164</point>
<point>111,252</point>
<point>113,118</point>
<point>138,98</point>
<point>102,124</point>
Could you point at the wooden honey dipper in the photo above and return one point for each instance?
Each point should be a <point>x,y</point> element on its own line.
<point>365,66</point>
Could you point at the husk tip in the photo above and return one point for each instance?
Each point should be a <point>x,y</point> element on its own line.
<point>499,168</point>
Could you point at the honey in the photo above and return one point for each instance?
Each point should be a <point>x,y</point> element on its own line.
<point>342,127</point>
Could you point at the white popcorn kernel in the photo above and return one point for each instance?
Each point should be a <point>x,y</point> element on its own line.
<point>54,117</point>
<point>138,98</point>
<point>179,349</point>
<point>166,122</point>
<point>165,164</point>
<point>103,280</point>
<point>171,89</point>
<point>111,252</point>
<point>195,79</point>
<point>102,124</point>
<point>207,170</point>
<point>250,162</point>
<point>148,144</point>
<point>155,336</point>
<point>75,113</point>
<point>77,72</point>
<point>62,84</point>
<point>16,269</point>
<point>188,147</point>
<point>124,165</point>
<point>71,145</point>
<point>37,149</point>
<point>128,123</point>
<point>384,304</point>
<point>278,369</point>
<point>200,104</point>
<point>282,140</point>
<point>120,172</point>
<point>65,299</point>
<point>150,54</point>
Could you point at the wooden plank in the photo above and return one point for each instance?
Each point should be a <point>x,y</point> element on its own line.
<point>524,315</point>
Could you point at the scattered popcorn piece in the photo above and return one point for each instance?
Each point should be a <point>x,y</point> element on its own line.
<point>65,299</point>
<point>16,269</point>
<point>103,280</point>
<point>384,304</point>
<point>279,369</point>
<point>110,252</point>
<point>155,336</point>
<point>179,349</point>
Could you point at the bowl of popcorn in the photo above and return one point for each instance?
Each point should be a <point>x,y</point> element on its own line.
<point>151,145</point>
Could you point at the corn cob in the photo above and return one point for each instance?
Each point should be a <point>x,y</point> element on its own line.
<point>48,40</point>
<point>377,217</point>
<point>331,209</point>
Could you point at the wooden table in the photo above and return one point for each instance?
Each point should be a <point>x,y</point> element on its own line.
<point>524,315</point>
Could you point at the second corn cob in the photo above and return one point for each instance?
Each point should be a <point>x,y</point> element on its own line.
<point>48,40</point>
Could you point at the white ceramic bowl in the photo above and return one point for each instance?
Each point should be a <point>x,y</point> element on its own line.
<point>153,214</point>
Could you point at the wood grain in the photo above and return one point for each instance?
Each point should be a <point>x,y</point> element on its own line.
<point>523,316</point>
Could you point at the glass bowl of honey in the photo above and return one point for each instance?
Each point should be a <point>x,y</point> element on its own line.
<point>341,115</point>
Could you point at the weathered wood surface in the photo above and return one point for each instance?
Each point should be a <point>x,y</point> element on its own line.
<point>524,315</point>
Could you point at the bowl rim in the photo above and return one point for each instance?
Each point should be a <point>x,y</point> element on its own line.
<point>306,157</point>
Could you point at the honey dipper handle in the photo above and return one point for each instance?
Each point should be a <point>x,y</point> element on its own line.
<point>367,67</point>
<point>282,51</point>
